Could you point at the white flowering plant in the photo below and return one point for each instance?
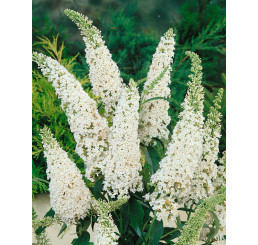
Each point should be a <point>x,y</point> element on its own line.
<point>141,185</point>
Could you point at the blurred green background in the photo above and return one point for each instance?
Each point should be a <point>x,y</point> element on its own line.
<point>132,30</point>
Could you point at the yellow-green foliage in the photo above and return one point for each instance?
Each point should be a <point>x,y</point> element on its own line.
<point>191,232</point>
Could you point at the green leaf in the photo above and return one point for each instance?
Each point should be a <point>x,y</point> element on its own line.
<point>83,226</point>
<point>149,160</point>
<point>156,232</point>
<point>169,242</point>
<point>140,200</point>
<point>124,218</point>
<point>137,196</point>
<point>93,221</point>
<point>161,143</point>
<point>136,215</point>
<point>33,169</point>
<point>139,241</point>
<point>170,233</point>
<point>140,81</point>
<point>50,213</point>
<point>156,98</point>
<point>83,239</point>
<point>97,188</point>
<point>168,230</point>
<point>153,158</point>
<point>186,209</point>
<point>214,231</point>
<point>64,226</point>
<point>143,204</point>
<point>179,223</point>
<point>216,222</point>
<point>150,227</point>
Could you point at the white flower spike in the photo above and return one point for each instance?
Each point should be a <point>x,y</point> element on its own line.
<point>90,130</point>
<point>104,73</point>
<point>69,196</point>
<point>154,117</point>
<point>122,165</point>
<point>173,179</point>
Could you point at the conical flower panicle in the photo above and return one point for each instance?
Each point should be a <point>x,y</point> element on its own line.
<point>173,179</point>
<point>104,228</point>
<point>104,73</point>
<point>202,185</point>
<point>212,134</point>
<point>194,225</point>
<point>105,234</point>
<point>69,196</point>
<point>122,165</point>
<point>90,130</point>
<point>154,117</point>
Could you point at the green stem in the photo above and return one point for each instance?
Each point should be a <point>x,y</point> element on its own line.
<point>121,222</point>
<point>189,213</point>
<point>145,224</point>
<point>169,233</point>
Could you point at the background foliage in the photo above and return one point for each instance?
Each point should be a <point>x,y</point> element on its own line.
<point>201,29</point>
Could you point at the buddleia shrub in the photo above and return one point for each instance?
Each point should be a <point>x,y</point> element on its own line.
<point>201,29</point>
<point>114,164</point>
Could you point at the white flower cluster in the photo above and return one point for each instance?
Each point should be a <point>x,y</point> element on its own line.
<point>202,185</point>
<point>165,205</point>
<point>104,73</point>
<point>173,179</point>
<point>220,181</point>
<point>220,210</point>
<point>104,233</point>
<point>69,196</point>
<point>154,117</point>
<point>122,165</point>
<point>89,128</point>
